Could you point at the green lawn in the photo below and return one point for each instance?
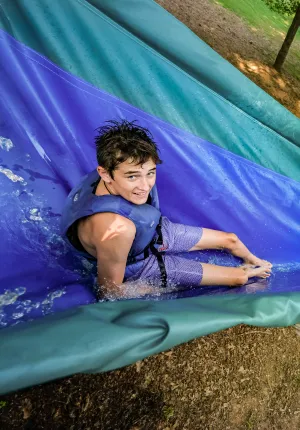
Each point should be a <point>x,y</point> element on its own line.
<point>259,16</point>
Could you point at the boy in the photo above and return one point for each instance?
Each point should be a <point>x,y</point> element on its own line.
<point>113,216</point>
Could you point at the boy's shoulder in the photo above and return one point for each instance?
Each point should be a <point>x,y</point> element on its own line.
<point>111,224</point>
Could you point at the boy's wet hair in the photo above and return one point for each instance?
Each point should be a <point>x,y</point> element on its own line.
<point>119,141</point>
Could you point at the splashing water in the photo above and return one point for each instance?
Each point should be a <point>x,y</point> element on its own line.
<point>10,175</point>
<point>6,144</point>
<point>10,297</point>
<point>14,309</point>
<point>143,288</point>
<point>35,215</point>
<point>286,267</point>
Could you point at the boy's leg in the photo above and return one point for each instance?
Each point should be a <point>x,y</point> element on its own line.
<point>183,273</point>
<point>214,239</point>
<point>231,276</point>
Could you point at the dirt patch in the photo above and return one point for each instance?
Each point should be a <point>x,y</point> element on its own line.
<point>246,48</point>
<point>244,378</point>
<point>239,379</point>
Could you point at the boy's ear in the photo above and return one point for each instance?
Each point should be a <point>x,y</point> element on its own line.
<point>104,174</point>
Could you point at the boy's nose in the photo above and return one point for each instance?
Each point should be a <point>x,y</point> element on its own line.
<point>143,185</point>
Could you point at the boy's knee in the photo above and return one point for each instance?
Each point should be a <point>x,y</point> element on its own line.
<point>231,240</point>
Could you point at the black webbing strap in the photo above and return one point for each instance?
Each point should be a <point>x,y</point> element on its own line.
<point>156,241</point>
<point>161,265</point>
<point>158,255</point>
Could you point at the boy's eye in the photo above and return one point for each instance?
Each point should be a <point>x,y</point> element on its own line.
<point>132,177</point>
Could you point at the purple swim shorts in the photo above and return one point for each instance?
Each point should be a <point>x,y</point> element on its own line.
<point>180,271</point>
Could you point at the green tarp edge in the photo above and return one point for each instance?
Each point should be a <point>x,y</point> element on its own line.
<point>141,54</point>
<point>106,336</point>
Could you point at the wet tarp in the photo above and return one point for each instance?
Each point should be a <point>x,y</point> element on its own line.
<point>231,162</point>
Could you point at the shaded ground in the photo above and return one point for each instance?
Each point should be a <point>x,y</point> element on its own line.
<point>244,378</point>
<point>239,379</point>
<point>246,48</point>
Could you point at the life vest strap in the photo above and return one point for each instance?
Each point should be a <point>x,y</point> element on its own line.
<point>159,255</point>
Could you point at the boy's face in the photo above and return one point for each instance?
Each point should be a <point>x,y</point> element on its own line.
<point>133,182</point>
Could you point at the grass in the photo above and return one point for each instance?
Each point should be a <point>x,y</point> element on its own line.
<point>257,14</point>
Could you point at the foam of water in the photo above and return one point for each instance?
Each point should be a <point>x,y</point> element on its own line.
<point>35,215</point>
<point>13,309</point>
<point>6,144</point>
<point>10,297</point>
<point>10,175</point>
<point>143,288</point>
<point>286,267</point>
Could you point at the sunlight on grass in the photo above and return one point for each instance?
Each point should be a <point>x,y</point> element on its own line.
<point>257,14</point>
<point>273,28</point>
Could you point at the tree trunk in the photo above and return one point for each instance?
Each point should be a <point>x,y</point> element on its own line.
<point>288,41</point>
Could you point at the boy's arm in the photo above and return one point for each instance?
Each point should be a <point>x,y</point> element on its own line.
<point>113,236</point>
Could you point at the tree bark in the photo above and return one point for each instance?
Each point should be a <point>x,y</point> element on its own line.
<point>288,41</point>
